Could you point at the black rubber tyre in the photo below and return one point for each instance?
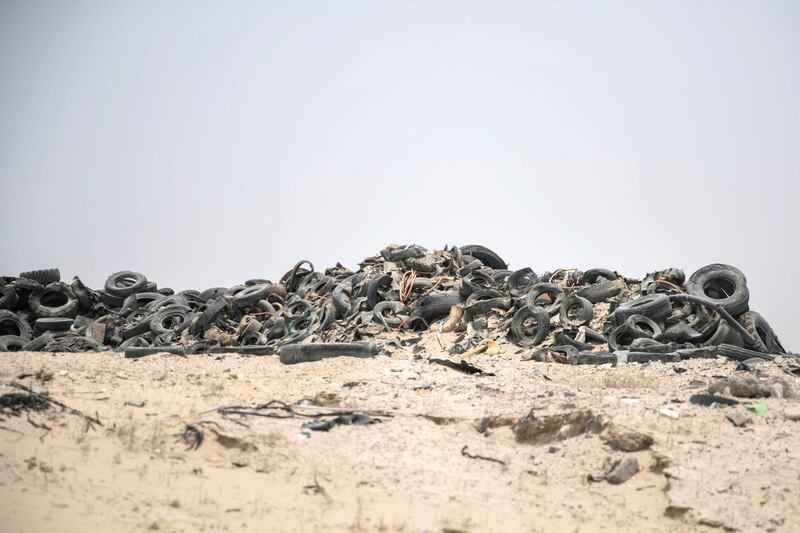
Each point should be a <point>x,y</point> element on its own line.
<point>137,323</point>
<point>484,255</point>
<point>213,292</point>
<point>38,343</point>
<point>759,328</point>
<point>125,283</point>
<point>654,306</point>
<point>520,281</point>
<point>559,354</point>
<point>622,337</point>
<point>305,353</point>
<point>725,334</point>
<point>644,325</point>
<point>210,314</point>
<point>575,311</point>
<point>521,335</point>
<point>483,301</point>
<point>563,337</point>
<point>56,300</point>
<point>54,324</point>
<point>376,284</point>
<point>435,306</point>
<point>297,308</point>
<point>11,324</point>
<point>170,320</point>
<point>9,298</point>
<point>45,277</point>
<point>555,293</point>
<point>591,276</point>
<point>387,312</point>
<point>250,295</point>
<point>724,284</point>
<point>111,301</point>
<point>599,291</point>
<point>12,343</point>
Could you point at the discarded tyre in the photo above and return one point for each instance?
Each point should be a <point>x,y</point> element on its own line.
<point>306,353</point>
<point>467,295</point>
<point>724,284</point>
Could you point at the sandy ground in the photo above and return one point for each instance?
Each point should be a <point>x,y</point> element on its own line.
<point>407,473</point>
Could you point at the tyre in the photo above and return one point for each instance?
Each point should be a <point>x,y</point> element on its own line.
<point>765,339</point>
<point>12,343</point>
<point>654,306</point>
<point>644,325</point>
<point>125,283</point>
<point>250,295</point>
<point>553,292</point>
<point>483,301</point>
<point>210,294</point>
<point>529,326</point>
<point>724,284</point>
<point>45,277</point>
<point>170,320</point>
<point>8,297</point>
<point>520,281</point>
<point>53,324</point>
<point>593,275</point>
<point>622,337</point>
<point>575,311</point>
<point>56,300</point>
<point>484,255</point>
<point>387,312</point>
<point>378,284</point>
<point>600,291</point>
<point>435,306</point>
<point>305,353</point>
<point>11,324</point>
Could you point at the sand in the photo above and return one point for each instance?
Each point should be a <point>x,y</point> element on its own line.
<point>407,473</point>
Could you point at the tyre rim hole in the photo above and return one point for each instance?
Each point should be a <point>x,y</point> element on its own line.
<point>54,299</point>
<point>719,288</point>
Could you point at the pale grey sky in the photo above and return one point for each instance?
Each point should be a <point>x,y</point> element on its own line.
<point>204,143</point>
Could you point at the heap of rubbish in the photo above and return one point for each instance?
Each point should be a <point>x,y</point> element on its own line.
<point>570,316</point>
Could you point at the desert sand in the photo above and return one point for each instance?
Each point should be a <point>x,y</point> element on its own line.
<point>142,470</point>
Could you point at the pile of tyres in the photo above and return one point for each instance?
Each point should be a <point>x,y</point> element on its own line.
<point>567,315</point>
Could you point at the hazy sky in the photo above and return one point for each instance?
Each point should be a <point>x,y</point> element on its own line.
<point>204,143</point>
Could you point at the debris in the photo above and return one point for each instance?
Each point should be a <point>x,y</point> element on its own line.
<point>751,386</point>
<point>465,453</point>
<point>756,408</point>
<point>738,418</point>
<point>549,428</point>
<point>404,288</point>
<point>708,400</point>
<point>627,440</point>
<point>352,419</point>
<point>463,366</point>
<point>669,413</point>
<point>623,470</point>
<point>193,437</point>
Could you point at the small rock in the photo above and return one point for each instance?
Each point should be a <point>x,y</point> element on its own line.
<point>792,413</point>
<point>553,449</point>
<point>623,471</point>
<point>627,440</point>
<point>738,418</point>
